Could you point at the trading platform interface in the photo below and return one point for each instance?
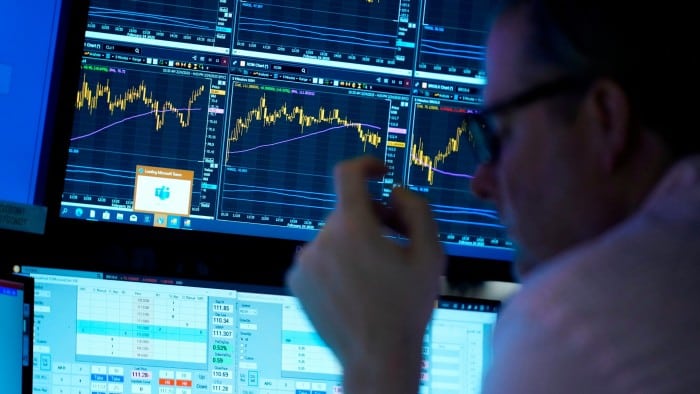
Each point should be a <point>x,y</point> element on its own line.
<point>110,333</point>
<point>228,115</point>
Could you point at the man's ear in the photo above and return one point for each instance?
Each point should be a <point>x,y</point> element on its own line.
<point>608,110</point>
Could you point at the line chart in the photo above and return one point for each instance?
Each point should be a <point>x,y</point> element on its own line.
<point>282,145</point>
<point>204,22</point>
<point>365,32</point>
<point>443,157</point>
<point>141,114</point>
<point>125,118</point>
<point>447,43</point>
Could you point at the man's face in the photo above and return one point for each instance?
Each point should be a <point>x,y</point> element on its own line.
<point>544,183</point>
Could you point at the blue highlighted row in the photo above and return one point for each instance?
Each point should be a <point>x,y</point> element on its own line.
<point>142,331</point>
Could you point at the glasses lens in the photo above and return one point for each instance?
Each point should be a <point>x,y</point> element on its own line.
<point>487,143</point>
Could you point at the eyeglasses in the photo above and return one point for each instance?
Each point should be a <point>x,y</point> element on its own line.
<point>481,125</point>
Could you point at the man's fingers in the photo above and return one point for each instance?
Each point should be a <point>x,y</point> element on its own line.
<point>416,220</point>
<point>351,182</point>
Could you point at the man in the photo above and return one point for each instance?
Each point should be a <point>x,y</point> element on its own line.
<point>598,181</point>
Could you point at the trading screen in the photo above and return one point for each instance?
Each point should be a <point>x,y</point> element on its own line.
<point>101,332</point>
<point>228,115</point>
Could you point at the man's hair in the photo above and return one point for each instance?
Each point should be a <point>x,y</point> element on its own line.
<point>648,48</point>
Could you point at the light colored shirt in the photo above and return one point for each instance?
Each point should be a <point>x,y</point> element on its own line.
<point>620,314</point>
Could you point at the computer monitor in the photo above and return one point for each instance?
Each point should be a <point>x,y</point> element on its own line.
<point>224,119</point>
<point>16,333</point>
<point>119,332</point>
<point>32,33</point>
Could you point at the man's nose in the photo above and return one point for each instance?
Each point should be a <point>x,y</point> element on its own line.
<point>483,183</point>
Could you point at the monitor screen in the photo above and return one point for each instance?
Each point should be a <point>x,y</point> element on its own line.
<point>227,116</point>
<point>16,334</point>
<point>30,32</point>
<point>105,332</point>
